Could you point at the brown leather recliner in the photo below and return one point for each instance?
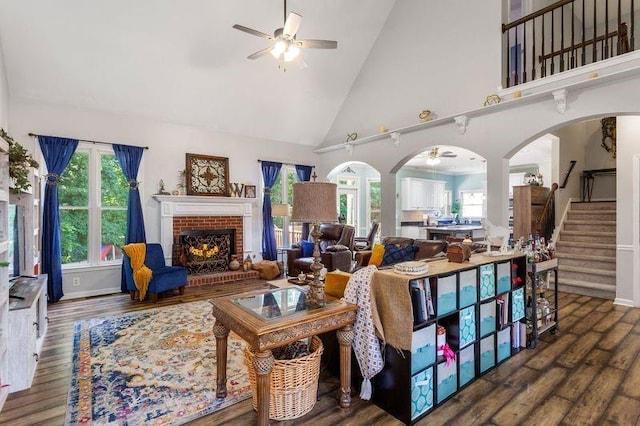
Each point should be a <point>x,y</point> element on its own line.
<point>336,248</point>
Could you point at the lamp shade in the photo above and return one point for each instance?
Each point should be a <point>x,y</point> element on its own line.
<point>314,202</point>
<point>280,209</point>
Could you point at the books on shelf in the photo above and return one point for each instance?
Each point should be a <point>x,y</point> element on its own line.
<point>421,300</point>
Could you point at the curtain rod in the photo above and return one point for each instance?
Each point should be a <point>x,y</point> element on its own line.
<point>90,141</point>
<point>284,162</point>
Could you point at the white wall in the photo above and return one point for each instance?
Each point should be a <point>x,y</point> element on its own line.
<point>167,144</point>
<point>438,55</point>
<point>4,95</point>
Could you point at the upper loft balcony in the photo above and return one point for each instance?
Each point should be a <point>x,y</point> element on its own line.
<point>568,40</point>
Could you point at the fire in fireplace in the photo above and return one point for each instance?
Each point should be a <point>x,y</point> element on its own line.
<point>207,251</point>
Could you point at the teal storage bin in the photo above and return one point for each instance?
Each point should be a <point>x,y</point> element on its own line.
<point>467,326</point>
<point>487,353</point>
<point>423,348</point>
<point>468,288</point>
<point>447,380</point>
<point>421,392</point>
<point>467,363</point>
<point>487,281</point>
<point>446,294</point>
<point>504,344</point>
<point>504,277</point>
<point>517,304</point>
<point>487,318</point>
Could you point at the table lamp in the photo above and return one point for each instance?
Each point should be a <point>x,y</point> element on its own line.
<point>315,202</point>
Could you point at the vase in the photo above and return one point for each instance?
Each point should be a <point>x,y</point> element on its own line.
<point>234,265</point>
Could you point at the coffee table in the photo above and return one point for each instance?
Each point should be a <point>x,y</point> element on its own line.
<point>267,319</point>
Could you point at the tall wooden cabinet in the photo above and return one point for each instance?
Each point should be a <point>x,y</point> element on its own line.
<point>528,204</point>
<point>4,273</point>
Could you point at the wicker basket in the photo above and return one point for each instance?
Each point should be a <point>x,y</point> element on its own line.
<point>294,383</point>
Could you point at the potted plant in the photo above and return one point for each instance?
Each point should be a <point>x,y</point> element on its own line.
<point>20,164</point>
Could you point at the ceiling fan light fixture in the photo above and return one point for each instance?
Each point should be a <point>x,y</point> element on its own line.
<point>432,161</point>
<point>291,53</point>
<point>279,48</point>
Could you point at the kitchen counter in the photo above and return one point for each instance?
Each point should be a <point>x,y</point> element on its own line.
<point>442,232</point>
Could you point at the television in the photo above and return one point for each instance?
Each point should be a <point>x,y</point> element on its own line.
<point>15,239</point>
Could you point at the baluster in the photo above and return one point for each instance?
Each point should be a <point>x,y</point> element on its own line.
<point>553,45</point>
<point>606,31</point>
<point>619,22</point>
<point>515,53</point>
<point>508,61</point>
<point>562,38</point>
<point>633,25</point>
<point>583,36</point>
<point>573,36</point>
<point>543,65</point>
<point>533,52</point>
<point>594,49</point>
<point>524,52</point>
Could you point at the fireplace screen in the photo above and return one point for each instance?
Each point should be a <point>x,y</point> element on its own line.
<point>207,251</point>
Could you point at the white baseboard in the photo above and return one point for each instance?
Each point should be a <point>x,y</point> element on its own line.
<point>90,293</point>
<point>623,302</point>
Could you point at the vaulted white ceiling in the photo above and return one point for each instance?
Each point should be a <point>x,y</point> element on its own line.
<point>182,62</point>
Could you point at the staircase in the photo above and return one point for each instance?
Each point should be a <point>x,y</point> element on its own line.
<point>586,250</point>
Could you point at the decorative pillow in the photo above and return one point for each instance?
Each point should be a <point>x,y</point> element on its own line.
<point>335,283</point>
<point>307,248</point>
<point>393,254</point>
<point>377,253</point>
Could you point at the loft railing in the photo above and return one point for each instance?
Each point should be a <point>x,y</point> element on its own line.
<point>565,35</point>
<point>547,220</point>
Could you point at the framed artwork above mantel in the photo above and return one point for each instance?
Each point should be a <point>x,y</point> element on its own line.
<point>207,175</point>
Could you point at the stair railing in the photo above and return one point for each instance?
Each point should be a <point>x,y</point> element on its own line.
<point>564,35</point>
<point>547,220</point>
<point>566,177</point>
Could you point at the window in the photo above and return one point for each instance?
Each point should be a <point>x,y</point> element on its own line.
<point>282,192</point>
<point>93,196</point>
<point>472,203</point>
<point>374,205</point>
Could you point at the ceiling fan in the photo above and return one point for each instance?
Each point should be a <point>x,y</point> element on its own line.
<point>434,156</point>
<point>284,43</point>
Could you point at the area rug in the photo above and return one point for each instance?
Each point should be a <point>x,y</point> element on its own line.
<point>154,367</point>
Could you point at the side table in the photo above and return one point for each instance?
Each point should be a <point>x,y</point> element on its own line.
<point>272,318</point>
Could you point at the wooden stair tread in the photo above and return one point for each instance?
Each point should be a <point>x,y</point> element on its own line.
<point>589,233</point>
<point>580,256</point>
<point>586,244</point>
<point>590,221</point>
<point>586,284</point>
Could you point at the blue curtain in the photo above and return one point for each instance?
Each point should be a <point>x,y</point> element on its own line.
<point>304,175</point>
<point>129,158</point>
<point>270,171</point>
<point>57,153</point>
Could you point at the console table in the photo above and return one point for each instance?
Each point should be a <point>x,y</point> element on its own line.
<point>587,179</point>
<point>27,328</point>
<point>268,327</point>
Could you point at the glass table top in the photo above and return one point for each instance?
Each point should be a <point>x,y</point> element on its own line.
<point>276,303</point>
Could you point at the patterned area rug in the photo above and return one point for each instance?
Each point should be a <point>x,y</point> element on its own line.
<point>156,366</point>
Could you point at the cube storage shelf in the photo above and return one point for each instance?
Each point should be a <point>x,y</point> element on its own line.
<point>481,307</point>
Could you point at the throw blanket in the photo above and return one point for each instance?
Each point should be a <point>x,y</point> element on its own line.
<point>365,343</point>
<point>141,273</point>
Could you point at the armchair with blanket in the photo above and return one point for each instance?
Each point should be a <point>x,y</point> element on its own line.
<point>336,248</point>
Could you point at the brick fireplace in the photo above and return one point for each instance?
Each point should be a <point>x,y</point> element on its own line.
<point>179,214</point>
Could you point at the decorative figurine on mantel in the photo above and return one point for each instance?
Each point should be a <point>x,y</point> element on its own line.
<point>161,190</point>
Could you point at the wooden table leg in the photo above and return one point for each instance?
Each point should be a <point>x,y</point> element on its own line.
<point>221,332</point>
<point>263,364</point>
<point>345,337</point>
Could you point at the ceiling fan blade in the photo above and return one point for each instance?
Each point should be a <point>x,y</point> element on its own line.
<point>252,31</point>
<point>260,53</point>
<point>318,44</point>
<point>291,25</point>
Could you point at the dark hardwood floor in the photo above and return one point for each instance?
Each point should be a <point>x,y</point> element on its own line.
<point>589,373</point>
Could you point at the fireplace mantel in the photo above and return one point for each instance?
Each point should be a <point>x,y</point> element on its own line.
<point>177,205</point>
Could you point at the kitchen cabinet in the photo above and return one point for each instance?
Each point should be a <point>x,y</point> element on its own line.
<point>422,194</point>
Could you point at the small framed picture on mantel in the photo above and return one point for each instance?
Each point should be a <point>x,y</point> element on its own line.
<point>207,175</point>
<point>250,191</point>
